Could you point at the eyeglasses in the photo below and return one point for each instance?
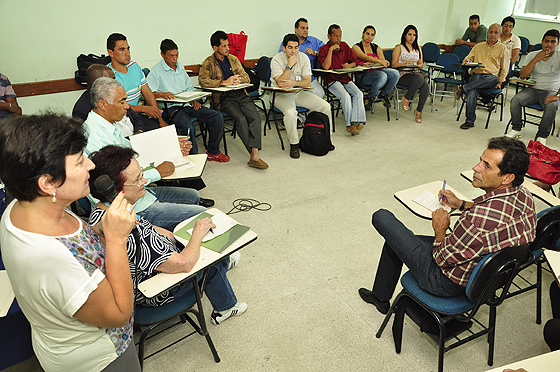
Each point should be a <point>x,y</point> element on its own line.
<point>140,182</point>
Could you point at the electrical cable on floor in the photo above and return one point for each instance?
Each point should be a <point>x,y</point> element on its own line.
<point>246,204</point>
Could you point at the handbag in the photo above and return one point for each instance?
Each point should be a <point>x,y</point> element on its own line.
<point>238,45</point>
<point>544,164</point>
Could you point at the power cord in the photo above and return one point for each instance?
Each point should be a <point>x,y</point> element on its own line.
<point>246,204</point>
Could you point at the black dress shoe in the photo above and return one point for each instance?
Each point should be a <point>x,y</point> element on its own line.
<point>367,296</point>
<point>466,125</point>
<point>294,151</point>
<point>206,203</point>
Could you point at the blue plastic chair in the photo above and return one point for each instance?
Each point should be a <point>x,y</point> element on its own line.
<point>493,273</point>
<point>388,54</point>
<point>536,47</point>
<point>524,45</point>
<point>450,67</point>
<point>527,115</point>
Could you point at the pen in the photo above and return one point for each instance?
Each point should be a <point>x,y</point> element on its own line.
<point>189,133</point>
<point>442,190</point>
<point>212,231</point>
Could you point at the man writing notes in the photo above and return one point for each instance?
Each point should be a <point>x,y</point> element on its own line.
<point>222,69</point>
<point>442,264</point>
<point>543,67</point>
<point>310,46</point>
<point>495,59</point>
<point>475,33</point>
<point>291,68</point>
<point>337,54</point>
<point>168,78</point>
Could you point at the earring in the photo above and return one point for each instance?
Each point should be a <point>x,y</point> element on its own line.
<point>54,197</point>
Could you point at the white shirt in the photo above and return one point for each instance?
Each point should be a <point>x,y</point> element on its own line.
<point>546,74</point>
<point>280,61</point>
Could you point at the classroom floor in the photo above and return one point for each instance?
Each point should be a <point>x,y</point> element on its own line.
<point>316,247</point>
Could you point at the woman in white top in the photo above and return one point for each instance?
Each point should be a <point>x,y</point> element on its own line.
<point>511,41</point>
<point>409,53</point>
<point>75,289</point>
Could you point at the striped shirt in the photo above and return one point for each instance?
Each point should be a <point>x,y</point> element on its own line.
<point>133,80</point>
<point>498,219</point>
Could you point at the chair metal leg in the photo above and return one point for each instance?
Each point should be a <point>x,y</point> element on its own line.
<point>201,319</point>
<point>539,290</point>
<point>460,110</point>
<point>491,334</point>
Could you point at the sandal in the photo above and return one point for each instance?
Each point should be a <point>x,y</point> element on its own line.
<point>418,119</point>
<point>405,107</point>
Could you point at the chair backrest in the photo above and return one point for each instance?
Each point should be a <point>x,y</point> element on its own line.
<point>462,51</point>
<point>494,272</point>
<point>262,69</point>
<point>524,44</point>
<point>388,54</point>
<point>536,47</point>
<point>430,52</point>
<point>146,71</point>
<point>449,61</point>
<point>548,229</point>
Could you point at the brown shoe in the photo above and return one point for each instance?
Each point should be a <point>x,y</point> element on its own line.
<point>294,151</point>
<point>259,164</point>
<point>459,93</point>
<point>359,127</point>
<point>353,130</point>
<point>466,125</point>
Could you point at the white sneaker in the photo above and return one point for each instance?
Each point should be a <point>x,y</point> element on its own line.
<point>234,259</point>
<point>218,317</point>
<point>541,140</point>
<point>514,134</point>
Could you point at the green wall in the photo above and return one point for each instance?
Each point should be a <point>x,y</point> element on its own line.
<point>45,37</point>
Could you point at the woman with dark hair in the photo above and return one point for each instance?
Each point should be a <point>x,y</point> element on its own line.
<point>74,288</point>
<point>511,41</point>
<point>409,53</point>
<point>159,251</point>
<point>380,80</point>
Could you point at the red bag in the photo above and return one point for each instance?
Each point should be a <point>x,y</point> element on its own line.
<point>545,163</point>
<point>238,45</point>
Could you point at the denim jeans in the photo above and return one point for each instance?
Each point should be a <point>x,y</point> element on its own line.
<point>317,89</point>
<point>402,246</point>
<point>218,288</point>
<point>530,96</point>
<point>173,205</point>
<point>352,101</point>
<point>181,117</point>
<point>382,81</point>
<point>475,84</point>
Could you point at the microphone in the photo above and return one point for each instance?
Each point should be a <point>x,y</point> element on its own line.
<point>106,187</point>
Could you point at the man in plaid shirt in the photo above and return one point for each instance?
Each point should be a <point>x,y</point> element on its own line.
<point>504,216</point>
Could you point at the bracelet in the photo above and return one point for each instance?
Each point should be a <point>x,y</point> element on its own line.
<point>10,105</point>
<point>462,207</point>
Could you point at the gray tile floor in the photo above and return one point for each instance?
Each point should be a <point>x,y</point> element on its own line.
<point>316,247</point>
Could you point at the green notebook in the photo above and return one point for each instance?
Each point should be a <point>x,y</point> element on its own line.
<point>219,243</point>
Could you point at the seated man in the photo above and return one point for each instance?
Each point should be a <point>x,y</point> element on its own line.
<point>221,69</point>
<point>495,59</point>
<point>130,74</point>
<point>310,46</point>
<point>168,78</point>
<point>160,251</point>
<point>163,206</point>
<point>334,55</point>
<point>475,33</point>
<point>131,123</point>
<point>543,67</point>
<point>551,329</point>
<point>8,102</point>
<point>442,264</point>
<point>291,68</point>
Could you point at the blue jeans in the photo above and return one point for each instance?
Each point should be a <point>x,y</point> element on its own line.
<point>181,117</point>
<point>218,288</point>
<point>530,96</point>
<point>402,246</point>
<point>382,81</point>
<point>352,101</point>
<point>173,205</point>
<point>472,88</point>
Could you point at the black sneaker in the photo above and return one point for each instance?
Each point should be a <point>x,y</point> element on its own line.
<point>368,103</point>
<point>386,101</point>
<point>294,151</point>
<point>206,203</point>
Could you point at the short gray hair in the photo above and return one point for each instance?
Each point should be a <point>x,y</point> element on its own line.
<point>104,89</point>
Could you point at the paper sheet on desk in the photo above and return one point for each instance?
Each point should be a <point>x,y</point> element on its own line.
<point>6,293</point>
<point>190,95</point>
<point>157,146</point>
<point>223,224</point>
<point>430,201</point>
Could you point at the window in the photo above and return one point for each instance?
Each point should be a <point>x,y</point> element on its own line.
<point>545,10</point>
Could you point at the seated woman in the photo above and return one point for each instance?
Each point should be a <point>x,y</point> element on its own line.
<point>75,290</point>
<point>159,249</point>
<point>382,80</point>
<point>408,53</point>
<point>511,41</point>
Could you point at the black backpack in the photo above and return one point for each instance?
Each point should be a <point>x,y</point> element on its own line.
<point>84,62</point>
<point>316,138</point>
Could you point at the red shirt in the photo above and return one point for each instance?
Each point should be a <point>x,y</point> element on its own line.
<point>339,57</point>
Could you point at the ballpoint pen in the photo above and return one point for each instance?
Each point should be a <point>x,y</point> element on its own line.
<point>442,190</point>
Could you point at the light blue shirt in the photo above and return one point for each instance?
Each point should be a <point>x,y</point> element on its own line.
<point>310,42</point>
<point>163,78</point>
<point>101,133</point>
<point>132,81</point>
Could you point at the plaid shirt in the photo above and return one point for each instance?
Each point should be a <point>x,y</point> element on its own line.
<point>498,219</point>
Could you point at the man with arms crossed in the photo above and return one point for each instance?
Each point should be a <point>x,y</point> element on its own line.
<point>334,55</point>
<point>475,33</point>
<point>291,68</point>
<point>168,78</point>
<point>543,67</point>
<point>221,69</point>
<point>442,264</point>
<point>495,59</point>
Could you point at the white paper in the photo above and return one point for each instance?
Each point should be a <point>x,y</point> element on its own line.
<point>223,224</point>
<point>189,95</point>
<point>430,201</point>
<point>6,293</point>
<point>157,146</point>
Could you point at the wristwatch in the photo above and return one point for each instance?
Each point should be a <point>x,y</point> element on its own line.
<point>289,67</point>
<point>558,95</point>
